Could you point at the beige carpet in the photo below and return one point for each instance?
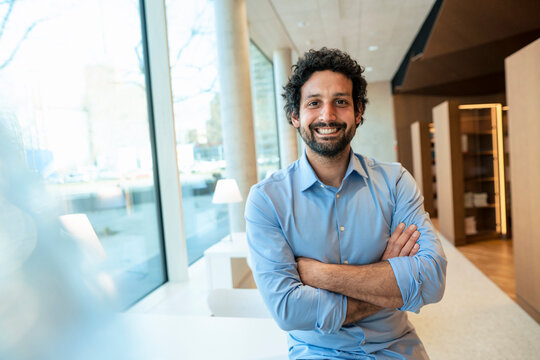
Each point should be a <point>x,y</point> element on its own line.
<point>475,319</point>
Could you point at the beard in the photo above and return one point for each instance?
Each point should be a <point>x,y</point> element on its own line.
<point>328,149</point>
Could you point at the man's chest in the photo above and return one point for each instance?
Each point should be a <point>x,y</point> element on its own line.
<point>349,226</point>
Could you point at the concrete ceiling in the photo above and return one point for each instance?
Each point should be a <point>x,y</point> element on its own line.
<point>377,33</point>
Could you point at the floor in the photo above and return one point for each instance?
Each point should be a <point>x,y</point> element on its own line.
<point>495,259</point>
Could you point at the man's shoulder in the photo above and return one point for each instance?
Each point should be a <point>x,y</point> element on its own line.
<point>386,168</point>
<point>277,180</point>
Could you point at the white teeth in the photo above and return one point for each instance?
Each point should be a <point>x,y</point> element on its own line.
<point>327,131</point>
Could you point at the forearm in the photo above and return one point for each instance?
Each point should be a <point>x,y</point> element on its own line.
<point>373,283</point>
<point>302,307</point>
<point>358,310</point>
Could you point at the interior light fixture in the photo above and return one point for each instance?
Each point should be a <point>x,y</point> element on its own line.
<point>373,48</point>
<point>369,69</point>
<point>301,24</point>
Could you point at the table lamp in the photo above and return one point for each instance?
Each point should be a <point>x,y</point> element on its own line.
<point>227,192</point>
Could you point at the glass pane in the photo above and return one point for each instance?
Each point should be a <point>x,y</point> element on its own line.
<point>71,73</point>
<point>193,57</point>
<point>264,112</point>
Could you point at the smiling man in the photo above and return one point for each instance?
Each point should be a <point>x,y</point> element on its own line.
<point>341,247</point>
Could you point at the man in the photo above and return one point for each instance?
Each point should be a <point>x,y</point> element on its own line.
<point>330,253</point>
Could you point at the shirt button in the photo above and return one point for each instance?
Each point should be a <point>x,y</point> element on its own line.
<point>322,185</point>
<point>346,262</point>
<point>341,228</point>
<point>337,196</point>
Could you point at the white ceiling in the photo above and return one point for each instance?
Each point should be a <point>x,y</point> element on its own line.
<point>350,25</point>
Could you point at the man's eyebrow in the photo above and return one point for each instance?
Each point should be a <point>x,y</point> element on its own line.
<point>319,95</point>
<point>312,96</point>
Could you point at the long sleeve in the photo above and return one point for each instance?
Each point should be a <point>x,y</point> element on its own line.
<point>293,305</point>
<point>421,278</point>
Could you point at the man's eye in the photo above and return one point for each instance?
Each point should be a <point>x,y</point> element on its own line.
<point>341,102</point>
<point>313,103</point>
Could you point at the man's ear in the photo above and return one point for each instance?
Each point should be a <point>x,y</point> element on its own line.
<point>295,121</point>
<point>358,116</point>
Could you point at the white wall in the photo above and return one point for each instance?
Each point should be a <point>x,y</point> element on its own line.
<point>376,137</point>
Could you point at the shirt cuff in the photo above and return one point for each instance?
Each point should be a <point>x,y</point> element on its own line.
<point>331,311</point>
<point>405,271</point>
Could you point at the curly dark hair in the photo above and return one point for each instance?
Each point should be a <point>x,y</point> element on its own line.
<point>320,60</point>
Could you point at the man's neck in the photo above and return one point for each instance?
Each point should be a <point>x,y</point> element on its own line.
<point>330,170</point>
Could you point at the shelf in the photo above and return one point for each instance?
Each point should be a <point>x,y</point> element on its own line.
<point>480,179</point>
<point>488,206</point>
<point>470,153</point>
<point>483,132</point>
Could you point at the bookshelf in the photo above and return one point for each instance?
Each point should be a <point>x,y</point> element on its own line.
<point>471,180</point>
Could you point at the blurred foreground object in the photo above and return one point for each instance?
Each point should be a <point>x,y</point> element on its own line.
<point>51,307</point>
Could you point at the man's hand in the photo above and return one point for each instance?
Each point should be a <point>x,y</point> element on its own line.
<point>311,271</point>
<point>403,242</point>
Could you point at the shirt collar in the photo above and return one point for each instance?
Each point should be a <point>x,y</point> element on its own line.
<point>355,165</point>
<point>308,176</point>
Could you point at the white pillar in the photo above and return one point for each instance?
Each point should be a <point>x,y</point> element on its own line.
<point>288,149</point>
<point>235,100</point>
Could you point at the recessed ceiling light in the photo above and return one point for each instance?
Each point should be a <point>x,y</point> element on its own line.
<point>309,42</point>
<point>301,24</point>
<point>369,69</point>
<point>373,48</point>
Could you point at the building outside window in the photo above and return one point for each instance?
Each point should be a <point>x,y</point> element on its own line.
<point>72,79</point>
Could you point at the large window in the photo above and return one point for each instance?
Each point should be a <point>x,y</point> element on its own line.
<point>193,57</point>
<point>264,112</point>
<point>72,75</point>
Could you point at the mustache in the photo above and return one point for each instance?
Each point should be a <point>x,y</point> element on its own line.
<point>321,124</point>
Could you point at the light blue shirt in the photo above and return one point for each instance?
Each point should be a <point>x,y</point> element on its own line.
<point>292,214</point>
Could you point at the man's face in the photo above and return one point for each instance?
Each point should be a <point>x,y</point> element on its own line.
<point>327,122</point>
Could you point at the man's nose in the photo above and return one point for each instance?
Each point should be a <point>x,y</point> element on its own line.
<point>328,112</point>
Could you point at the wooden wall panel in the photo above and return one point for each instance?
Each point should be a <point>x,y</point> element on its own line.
<point>523,94</point>
<point>449,171</point>
<point>422,167</point>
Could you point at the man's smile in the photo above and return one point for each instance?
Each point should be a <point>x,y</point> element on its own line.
<point>330,129</point>
<point>327,130</point>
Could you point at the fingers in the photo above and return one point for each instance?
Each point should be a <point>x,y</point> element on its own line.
<point>402,242</point>
<point>396,234</point>
<point>415,249</point>
<point>403,239</point>
<point>410,242</point>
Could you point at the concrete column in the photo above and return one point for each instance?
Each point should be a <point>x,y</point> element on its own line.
<point>288,145</point>
<point>235,100</point>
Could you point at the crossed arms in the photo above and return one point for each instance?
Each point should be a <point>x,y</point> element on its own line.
<point>369,288</point>
<point>303,294</point>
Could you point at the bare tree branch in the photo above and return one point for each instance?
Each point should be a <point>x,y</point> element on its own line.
<point>6,16</point>
<point>206,90</point>
<point>19,43</point>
